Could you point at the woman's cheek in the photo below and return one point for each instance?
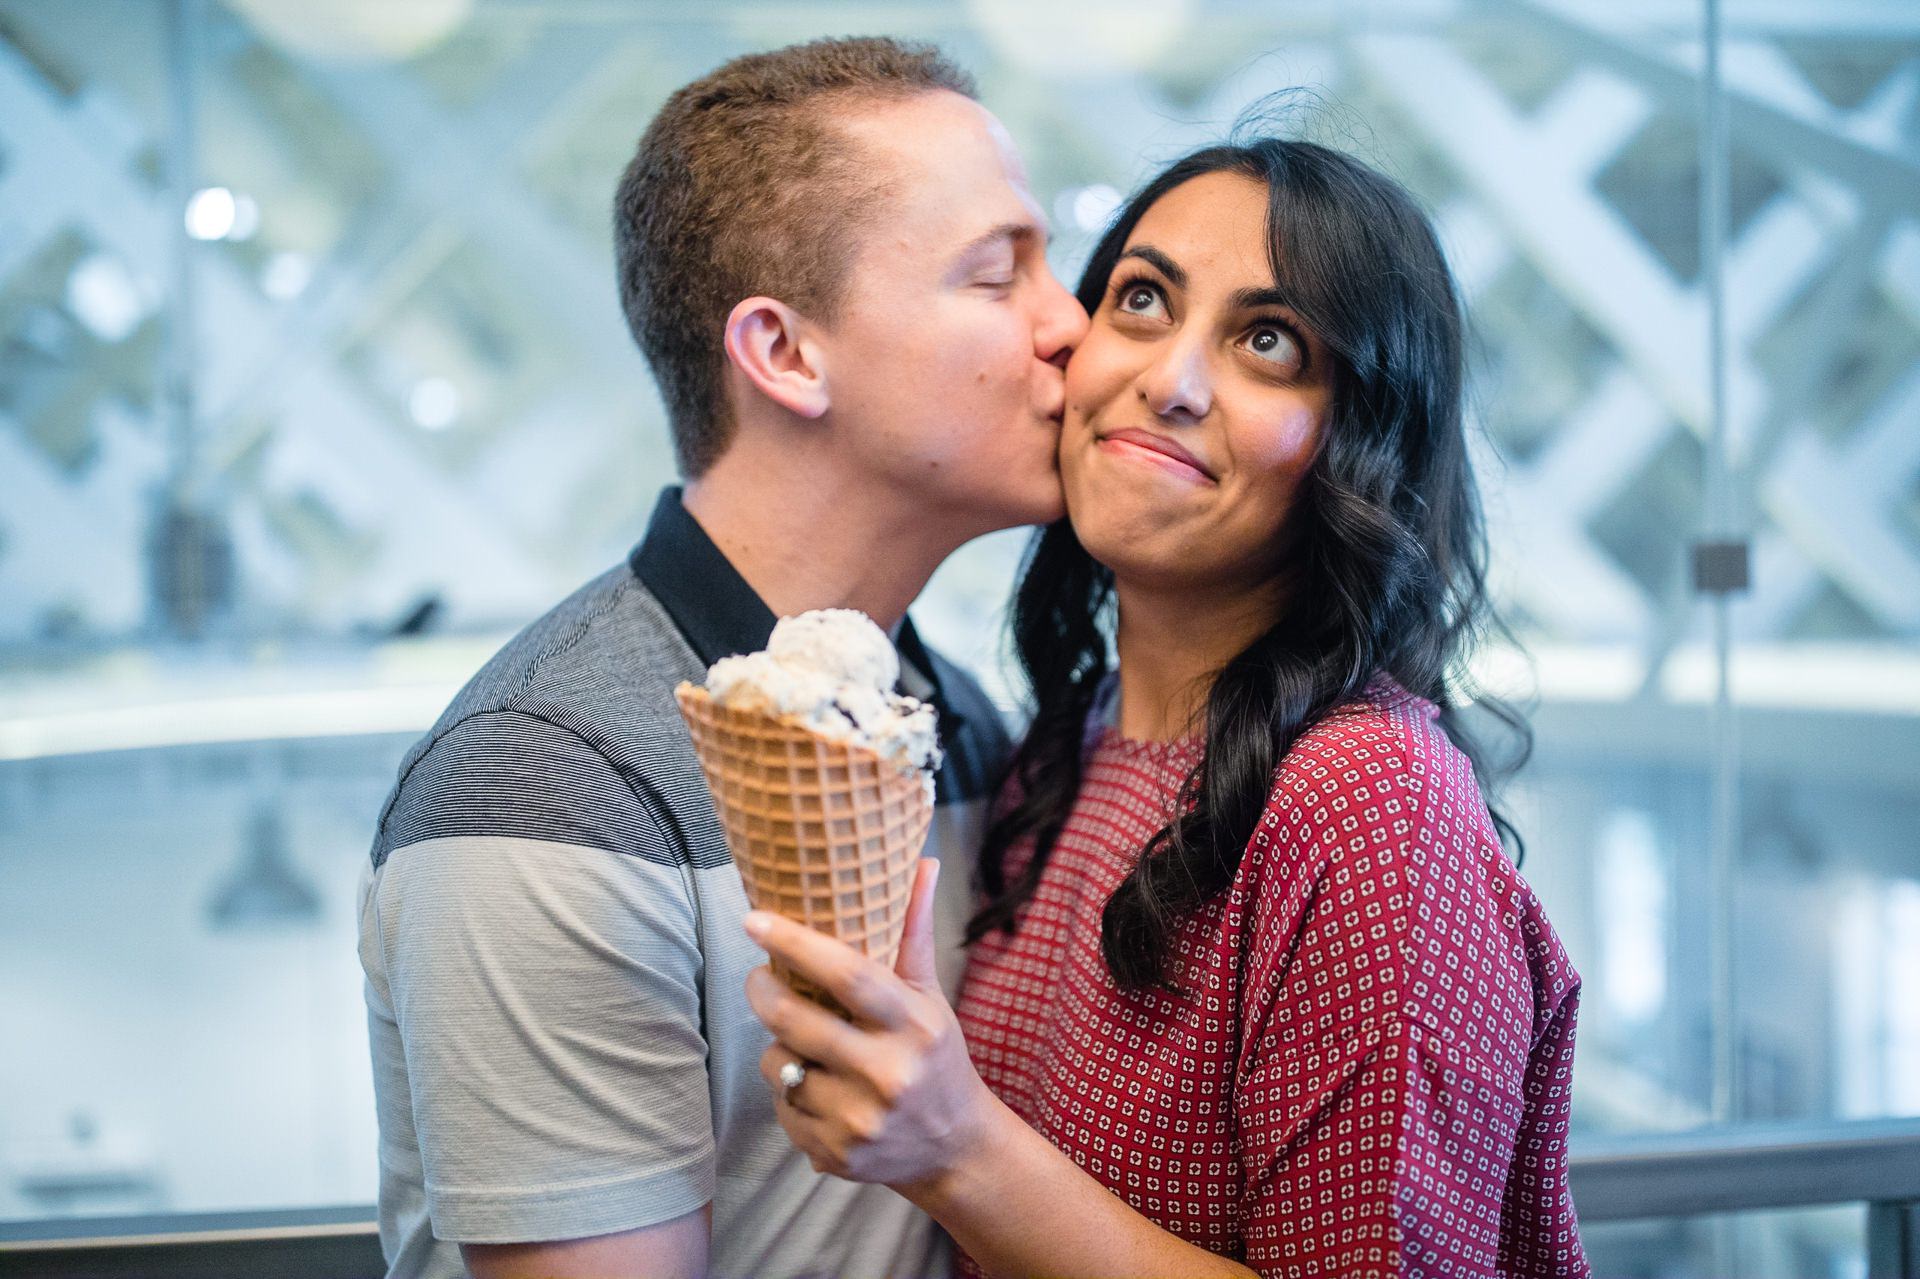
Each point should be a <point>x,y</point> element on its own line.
<point>1282,443</point>
<point>1093,370</point>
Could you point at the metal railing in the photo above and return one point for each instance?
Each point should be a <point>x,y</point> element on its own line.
<point>313,1243</point>
<point>1641,1178</point>
<point>1752,1168</point>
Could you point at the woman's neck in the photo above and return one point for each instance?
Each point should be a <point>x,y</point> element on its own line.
<point>1172,643</point>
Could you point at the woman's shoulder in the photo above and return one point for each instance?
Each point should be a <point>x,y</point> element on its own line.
<point>1388,742</point>
<point>1376,832</point>
<point>1376,790</point>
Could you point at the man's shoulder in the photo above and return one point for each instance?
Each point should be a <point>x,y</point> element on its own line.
<point>977,746</point>
<point>608,648</point>
<point>569,732</point>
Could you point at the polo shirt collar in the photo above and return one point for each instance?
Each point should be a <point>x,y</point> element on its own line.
<point>709,601</point>
<point>721,615</point>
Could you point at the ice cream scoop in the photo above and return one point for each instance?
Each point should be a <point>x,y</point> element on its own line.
<point>832,670</point>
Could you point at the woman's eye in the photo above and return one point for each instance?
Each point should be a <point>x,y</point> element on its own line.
<point>1273,344</point>
<point>1141,299</point>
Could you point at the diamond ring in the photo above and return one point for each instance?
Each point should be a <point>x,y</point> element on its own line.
<point>792,1075</point>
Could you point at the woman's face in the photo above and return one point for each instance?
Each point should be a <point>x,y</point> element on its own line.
<point>1196,400</point>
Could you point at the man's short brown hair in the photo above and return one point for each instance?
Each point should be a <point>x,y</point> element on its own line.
<point>743,186</point>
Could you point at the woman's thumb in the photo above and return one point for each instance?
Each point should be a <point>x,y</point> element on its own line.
<point>916,964</point>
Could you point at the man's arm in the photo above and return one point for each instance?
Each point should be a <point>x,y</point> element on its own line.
<point>674,1249</point>
<point>533,954</point>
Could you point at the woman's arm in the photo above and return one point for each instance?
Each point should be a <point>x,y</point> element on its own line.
<point>892,1098</point>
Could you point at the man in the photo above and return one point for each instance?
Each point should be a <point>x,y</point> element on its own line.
<point>831,258</point>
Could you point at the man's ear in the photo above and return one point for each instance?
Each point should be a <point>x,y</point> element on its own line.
<point>773,345</point>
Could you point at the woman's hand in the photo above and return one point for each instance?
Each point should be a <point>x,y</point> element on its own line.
<point>891,1098</point>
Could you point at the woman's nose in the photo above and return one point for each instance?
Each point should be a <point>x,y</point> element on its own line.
<point>1178,386</point>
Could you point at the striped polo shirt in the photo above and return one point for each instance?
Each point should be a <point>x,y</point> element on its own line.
<point>555,969</point>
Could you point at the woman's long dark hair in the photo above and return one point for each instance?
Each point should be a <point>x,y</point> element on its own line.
<point>1386,553</point>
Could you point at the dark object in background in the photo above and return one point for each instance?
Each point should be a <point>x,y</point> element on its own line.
<point>419,619</point>
<point>1721,568</point>
<point>190,563</point>
<point>267,891</point>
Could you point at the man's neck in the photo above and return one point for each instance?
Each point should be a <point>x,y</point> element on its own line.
<point>1172,642</point>
<point>804,541</point>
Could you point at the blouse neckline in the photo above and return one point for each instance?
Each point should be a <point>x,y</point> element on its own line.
<point>1178,750</point>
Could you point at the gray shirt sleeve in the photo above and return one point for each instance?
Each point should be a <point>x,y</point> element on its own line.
<point>536,968</point>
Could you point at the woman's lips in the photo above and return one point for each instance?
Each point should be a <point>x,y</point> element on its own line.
<point>1168,454</point>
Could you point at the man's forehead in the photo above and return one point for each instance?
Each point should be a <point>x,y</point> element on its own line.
<point>1010,219</point>
<point>1035,218</point>
<point>1009,152</point>
<point>931,133</point>
<point>954,164</point>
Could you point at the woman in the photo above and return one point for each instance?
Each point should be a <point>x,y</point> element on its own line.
<point>1254,988</point>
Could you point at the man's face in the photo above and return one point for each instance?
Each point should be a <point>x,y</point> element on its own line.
<point>944,364</point>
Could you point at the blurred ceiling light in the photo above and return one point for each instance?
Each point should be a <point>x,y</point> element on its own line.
<point>1632,905</point>
<point>215,213</point>
<point>355,30</point>
<point>104,297</point>
<point>434,404</point>
<point>210,213</point>
<point>240,717</point>
<point>1083,37</point>
<point>286,276</point>
<point>1087,208</point>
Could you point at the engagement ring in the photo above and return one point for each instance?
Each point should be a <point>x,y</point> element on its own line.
<point>792,1075</point>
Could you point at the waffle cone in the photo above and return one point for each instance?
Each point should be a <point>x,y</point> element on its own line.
<point>823,832</point>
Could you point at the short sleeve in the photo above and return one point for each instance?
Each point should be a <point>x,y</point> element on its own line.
<point>1401,1084</point>
<point>1380,1154</point>
<point>534,966</point>
<point>1541,1233</point>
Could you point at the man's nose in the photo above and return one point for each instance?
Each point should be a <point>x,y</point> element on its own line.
<point>1061,325</point>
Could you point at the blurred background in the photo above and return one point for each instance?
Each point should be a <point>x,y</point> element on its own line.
<point>314,388</point>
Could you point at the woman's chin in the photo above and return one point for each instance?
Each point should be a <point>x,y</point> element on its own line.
<point>1125,503</point>
<point>1130,553</point>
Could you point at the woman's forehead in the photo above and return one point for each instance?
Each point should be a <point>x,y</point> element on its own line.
<point>1213,228</point>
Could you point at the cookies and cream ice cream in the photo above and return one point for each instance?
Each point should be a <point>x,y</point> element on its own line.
<point>833,671</point>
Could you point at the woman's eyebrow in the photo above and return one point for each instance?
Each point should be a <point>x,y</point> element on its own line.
<point>1159,262</point>
<point>1253,299</point>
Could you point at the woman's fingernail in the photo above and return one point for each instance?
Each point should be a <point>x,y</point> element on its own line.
<point>756,923</point>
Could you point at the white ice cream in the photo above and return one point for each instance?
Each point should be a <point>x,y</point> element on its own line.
<point>834,671</point>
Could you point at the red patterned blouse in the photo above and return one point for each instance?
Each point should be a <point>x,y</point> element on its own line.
<point>1369,1069</point>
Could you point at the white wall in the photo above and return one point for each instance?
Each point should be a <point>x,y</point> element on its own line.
<point>233,1064</point>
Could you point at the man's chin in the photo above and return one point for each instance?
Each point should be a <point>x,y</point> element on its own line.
<point>1054,508</point>
<point>1050,502</point>
<point>1020,510</point>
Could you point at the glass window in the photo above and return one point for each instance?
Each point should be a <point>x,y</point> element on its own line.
<point>314,387</point>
